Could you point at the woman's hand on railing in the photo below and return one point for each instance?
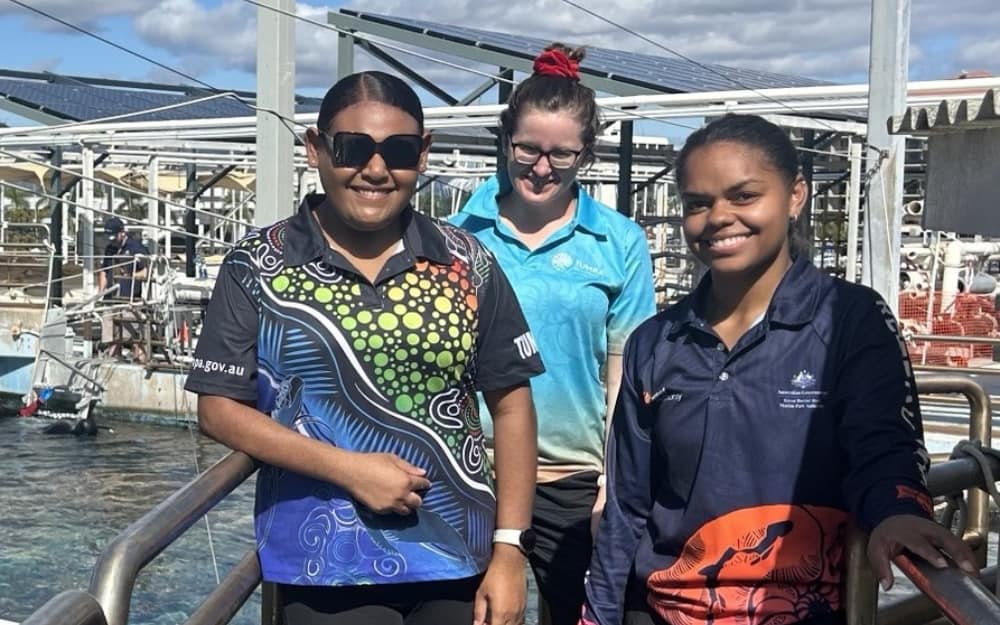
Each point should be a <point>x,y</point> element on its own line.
<point>927,539</point>
<point>961,598</point>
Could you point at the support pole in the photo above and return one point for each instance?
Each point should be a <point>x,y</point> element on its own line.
<point>275,94</point>
<point>625,168</point>
<point>153,206</point>
<point>505,88</point>
<point>86,221</point>
<point>808,227</point>
<point>853,207</point>
<point>345,55</point>
<point>56,231</point>
<point>190,223</point>
<point>890,39</point>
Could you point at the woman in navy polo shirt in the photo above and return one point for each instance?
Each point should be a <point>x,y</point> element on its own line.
<point>343,348</point>
<point>758,418</point>
<point>583,274</point>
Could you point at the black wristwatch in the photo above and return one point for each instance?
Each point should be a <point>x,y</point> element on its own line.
<point>522,539</point>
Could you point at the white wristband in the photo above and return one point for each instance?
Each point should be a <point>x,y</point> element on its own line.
<point>508,537</point>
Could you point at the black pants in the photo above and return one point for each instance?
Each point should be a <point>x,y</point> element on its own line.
<point>422,603</point>
<point>564,544</point>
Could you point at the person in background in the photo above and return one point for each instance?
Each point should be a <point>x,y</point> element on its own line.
<point>583,275</point>
<point>759,418</point>
<point>125,265</point>
<point>343,348</point>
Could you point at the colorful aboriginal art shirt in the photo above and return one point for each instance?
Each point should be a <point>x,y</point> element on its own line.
<point>734,474</point>
<point>582,291</point>
<point>389,367</point>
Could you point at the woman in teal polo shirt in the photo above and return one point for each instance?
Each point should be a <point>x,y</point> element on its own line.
<point>342,348</point>
<point>583,275</point>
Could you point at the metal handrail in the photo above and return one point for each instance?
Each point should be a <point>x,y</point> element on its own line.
<point>962,598</point>
<point>229,596</point>
<point>980,429</point>
<point>944,478</point>
<point>120,563</point>
<point>958,595</point>
<point>948,338</point>
<point>919,608</point>
<point>72,607</point>
<point>950,369</point>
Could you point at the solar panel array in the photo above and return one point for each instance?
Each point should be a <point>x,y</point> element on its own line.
<point>77,101</point>
<point>663,73</point>
<point>81,102</point>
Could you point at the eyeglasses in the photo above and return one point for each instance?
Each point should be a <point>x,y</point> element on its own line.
<point>559,158</point>
<point>355,149</point>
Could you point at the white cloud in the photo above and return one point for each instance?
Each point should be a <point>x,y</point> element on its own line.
<point>223,36</point>
<point>83,14</point>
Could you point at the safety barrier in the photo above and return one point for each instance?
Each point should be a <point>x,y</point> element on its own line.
<point>961,597</point>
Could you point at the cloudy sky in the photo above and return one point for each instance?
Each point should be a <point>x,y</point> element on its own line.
<point>214,40</point>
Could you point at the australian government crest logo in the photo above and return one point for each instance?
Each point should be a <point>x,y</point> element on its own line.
<point>803,380</point>
<point>803,393</point>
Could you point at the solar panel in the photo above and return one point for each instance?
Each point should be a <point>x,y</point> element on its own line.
<point>662,73</point>
<point>81,102</point>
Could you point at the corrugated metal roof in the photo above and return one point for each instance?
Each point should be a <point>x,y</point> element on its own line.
<point>949,116</point>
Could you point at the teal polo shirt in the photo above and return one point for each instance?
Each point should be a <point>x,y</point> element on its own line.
<point>583,291</point>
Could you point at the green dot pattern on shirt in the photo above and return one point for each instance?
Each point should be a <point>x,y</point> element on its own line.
<point>415,345</point>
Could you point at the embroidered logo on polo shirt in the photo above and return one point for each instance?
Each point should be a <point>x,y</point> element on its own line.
<point>802,394</point>
<point>562,261</point>
<point>803,380</point>
<point>661,395</point>
<point>526,345</point>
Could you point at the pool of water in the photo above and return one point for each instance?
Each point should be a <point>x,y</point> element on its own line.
<point>65,498</point>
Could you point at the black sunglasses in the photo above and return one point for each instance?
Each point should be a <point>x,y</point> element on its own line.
<point>355,149</point>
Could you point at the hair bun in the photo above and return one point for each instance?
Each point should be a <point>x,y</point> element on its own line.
<point>558,60</point>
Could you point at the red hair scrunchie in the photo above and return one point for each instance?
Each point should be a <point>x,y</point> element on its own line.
<point>556,63</point>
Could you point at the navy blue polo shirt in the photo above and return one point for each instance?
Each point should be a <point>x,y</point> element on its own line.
<point>391,366</point>
<point>733,474</point>
<point>120,263</point>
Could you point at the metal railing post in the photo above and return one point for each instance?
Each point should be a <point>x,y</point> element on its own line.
<point>119,564</point>
<point>980,429</point>
<point>860,589</point>
<point>861,592</point>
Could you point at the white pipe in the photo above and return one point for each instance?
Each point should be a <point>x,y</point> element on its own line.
<point>954,256</point>
<point>853,208</point>
<point>949,277</point>
<point>85,218</point>
<point>915,89</point>
<point>827,97</point>
<point>915,251</point>
<point>980,248</point>
<point>153,204</point>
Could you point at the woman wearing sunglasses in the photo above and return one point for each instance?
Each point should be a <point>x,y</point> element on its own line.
<point>342,348</point>
<point>583,275</point>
